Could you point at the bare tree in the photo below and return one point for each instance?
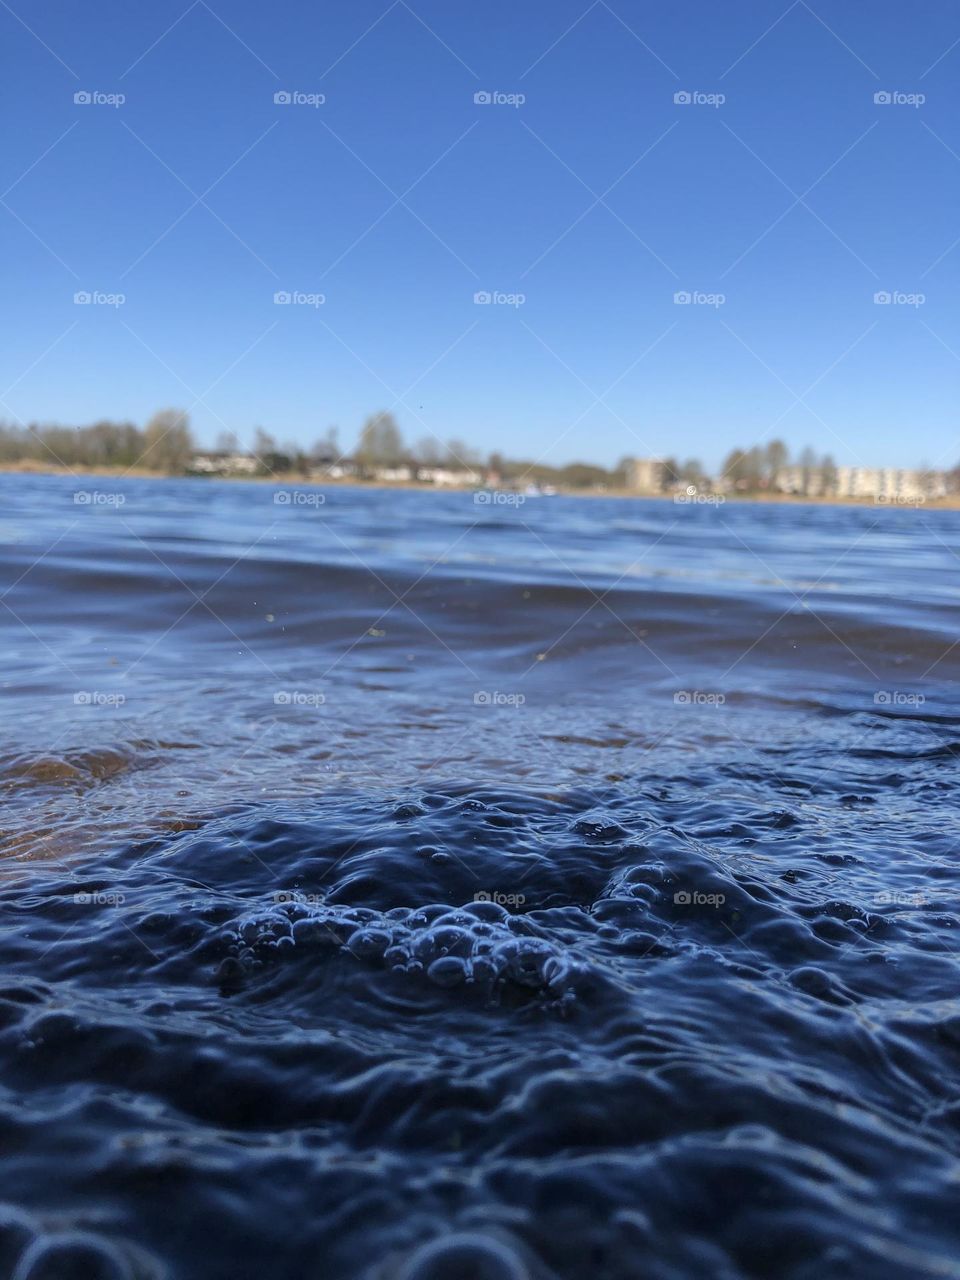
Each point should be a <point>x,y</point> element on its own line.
<point>808,465</point>
<point>168,443</point>
<point>327,448</point>
<point>458,455</point>
<point>776,458</point>
<point>427,451</point>
<point>381,444</point>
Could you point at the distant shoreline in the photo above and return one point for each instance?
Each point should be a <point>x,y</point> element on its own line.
<point>951,502</point>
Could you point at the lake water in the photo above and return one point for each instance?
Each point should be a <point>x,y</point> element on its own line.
<point>406,885</point>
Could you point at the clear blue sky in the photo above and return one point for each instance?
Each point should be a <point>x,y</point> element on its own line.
<point>400,197</point>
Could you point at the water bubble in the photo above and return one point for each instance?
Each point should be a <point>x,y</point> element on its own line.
<point>71,1257</point>
<point>465,1256</point>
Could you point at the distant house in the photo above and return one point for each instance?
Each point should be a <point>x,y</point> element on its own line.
<point>222,464</point>
<point>645,475</point>
<point>392,475</point>
<point>330,466</point>
<point>454,476</point>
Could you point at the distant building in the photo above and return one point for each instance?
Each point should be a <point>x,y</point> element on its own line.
<point>223,464</point>
<point>454,476</point>
<point>392,475</point>
<point>788,480</point>
<point>890,483</point>
<point>884,484</point>
<point>645,475</point>
<point>332,469</point>
<point>858,482</point>
<point>812,482</point>
<point>937,484</point>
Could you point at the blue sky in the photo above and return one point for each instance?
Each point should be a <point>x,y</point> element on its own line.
<point>597,199</point>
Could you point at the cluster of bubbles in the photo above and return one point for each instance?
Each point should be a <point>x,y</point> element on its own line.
<point>479,944</point>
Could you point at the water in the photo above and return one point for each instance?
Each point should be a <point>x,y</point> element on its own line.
<point>406,886</point>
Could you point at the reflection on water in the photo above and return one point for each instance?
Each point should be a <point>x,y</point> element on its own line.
<point>405,886</point>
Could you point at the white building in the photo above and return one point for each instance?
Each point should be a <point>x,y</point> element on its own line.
<point>393,475</point>
<point>223,464</point>
<point>340,470</point>
<point>449,476</point>
<point>890,483</point>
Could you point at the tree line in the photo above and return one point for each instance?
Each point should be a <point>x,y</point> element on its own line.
<point>759,468</point>
<point>164,445</point>
<point>381,447</point>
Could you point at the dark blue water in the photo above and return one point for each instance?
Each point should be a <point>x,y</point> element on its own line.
<point>406,886</point>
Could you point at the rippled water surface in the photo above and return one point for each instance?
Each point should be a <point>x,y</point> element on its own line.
<point>409,886</point>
